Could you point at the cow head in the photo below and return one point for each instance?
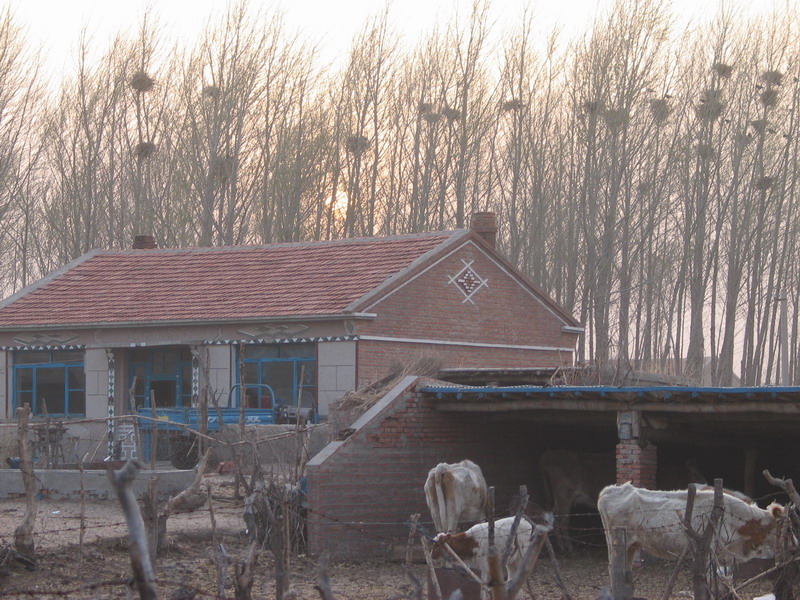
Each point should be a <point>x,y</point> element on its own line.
<point>757,535</point>
<point>464,545</point>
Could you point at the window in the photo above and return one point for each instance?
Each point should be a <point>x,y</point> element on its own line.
<point>51,382</point>
<point>289,369</point>
<point>164,373</point>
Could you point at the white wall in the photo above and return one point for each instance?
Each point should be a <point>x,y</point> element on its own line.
<point>337,372</point>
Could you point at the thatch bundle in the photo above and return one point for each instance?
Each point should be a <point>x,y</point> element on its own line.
<point>365,396</point>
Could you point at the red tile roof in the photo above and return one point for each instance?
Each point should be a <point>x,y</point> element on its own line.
<point>216,284</point>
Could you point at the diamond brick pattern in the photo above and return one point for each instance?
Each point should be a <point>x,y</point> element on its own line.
<point>216,284</point>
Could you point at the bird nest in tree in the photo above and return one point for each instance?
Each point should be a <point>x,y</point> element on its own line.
<point>705,151</point>
<point>142,82</point>
<point>660,109</point>
<point>593,107</point>
<point>764,183</point>
<point>356,144</point>
<point>772,77</point>
<point>760,125</point>
<point>424,107</point>
<point>769,97</point>
<point>211,91</point>
<point>615,119</point>
<point>513,104</point>
<point>711,106</point>
<point>723,70</point>
<point>144,150</point>
<point>432,117</point>
<point>742,139</point>
<point>365,396</point>
<point>452,114</point>
<point>222,167</point>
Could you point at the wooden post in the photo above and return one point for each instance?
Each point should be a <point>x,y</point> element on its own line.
<point>426,550</point>
<point>621,576</point>
<point>153,432</point>
<point>411,534</point>
<point>538,537</point>
<point>497,578</point>
<point>23,534</point>
<point>282,577</point>
<point>83,514</point>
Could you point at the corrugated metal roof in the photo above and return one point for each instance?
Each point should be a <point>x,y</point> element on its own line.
<point>523,397</point>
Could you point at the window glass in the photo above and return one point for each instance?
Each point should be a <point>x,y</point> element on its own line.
<point>31,358</point>
<point>51,382</point>
<point>250,352</point>
<point>164,373</point>
<point>297,350</point>
<point>50,391</point>
<point>77,402</point>
<point>24,380</point>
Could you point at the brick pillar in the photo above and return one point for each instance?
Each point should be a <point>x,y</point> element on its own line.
<point>636,464</point>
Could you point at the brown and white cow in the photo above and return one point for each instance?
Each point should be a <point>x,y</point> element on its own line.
<point>472,546</point>
<point>574,479</point>
<point>455,492</point>
<point>652,521</point>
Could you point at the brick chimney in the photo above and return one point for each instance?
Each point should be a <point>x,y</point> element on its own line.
<point>485,225</point>
<point>144,242</point>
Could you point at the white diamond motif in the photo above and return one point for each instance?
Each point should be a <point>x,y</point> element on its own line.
<point>468,281</point>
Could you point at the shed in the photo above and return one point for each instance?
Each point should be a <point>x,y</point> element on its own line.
<point>362,490</point>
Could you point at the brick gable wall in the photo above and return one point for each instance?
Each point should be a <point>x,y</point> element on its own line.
<point>431,308</point>
<point>362,490</point>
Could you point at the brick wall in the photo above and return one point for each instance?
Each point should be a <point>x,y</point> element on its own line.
<point>362,490</point>
<point>636,464</point>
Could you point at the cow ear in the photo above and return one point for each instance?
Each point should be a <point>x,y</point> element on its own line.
<point>776,510</point>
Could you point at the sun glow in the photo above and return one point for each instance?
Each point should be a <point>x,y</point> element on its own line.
<point>338,204</point>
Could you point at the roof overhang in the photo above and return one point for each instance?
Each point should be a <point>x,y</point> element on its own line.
<point>487,399</point>
<point>189,322</point>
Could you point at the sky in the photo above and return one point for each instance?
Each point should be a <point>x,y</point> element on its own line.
<point>56,24</point>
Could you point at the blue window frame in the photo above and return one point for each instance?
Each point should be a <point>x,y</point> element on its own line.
<point>165,371</point>
<point>52,382</point>
<point>280,366</point>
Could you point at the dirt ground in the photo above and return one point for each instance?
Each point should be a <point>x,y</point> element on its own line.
<point>100,567</point>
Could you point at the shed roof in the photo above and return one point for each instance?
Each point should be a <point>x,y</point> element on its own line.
<point>113,287</point>
<point>462,398</point>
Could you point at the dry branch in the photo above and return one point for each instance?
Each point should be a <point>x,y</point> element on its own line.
<point>23,534</point>
<point>143,575</point>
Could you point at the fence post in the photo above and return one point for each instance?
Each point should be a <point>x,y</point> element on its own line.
<point>621,576</point>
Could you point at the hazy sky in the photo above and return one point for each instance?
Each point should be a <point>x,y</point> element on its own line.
<point>56,24</point>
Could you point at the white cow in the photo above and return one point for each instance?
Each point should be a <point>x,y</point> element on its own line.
<point>472,546</point>
<point>652,520</point>
<point>455,492</point>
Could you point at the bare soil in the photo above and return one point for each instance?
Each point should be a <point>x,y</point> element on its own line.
<point>100,566</point>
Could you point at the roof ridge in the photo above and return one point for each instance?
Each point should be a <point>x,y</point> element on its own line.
<point>245,247</point>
